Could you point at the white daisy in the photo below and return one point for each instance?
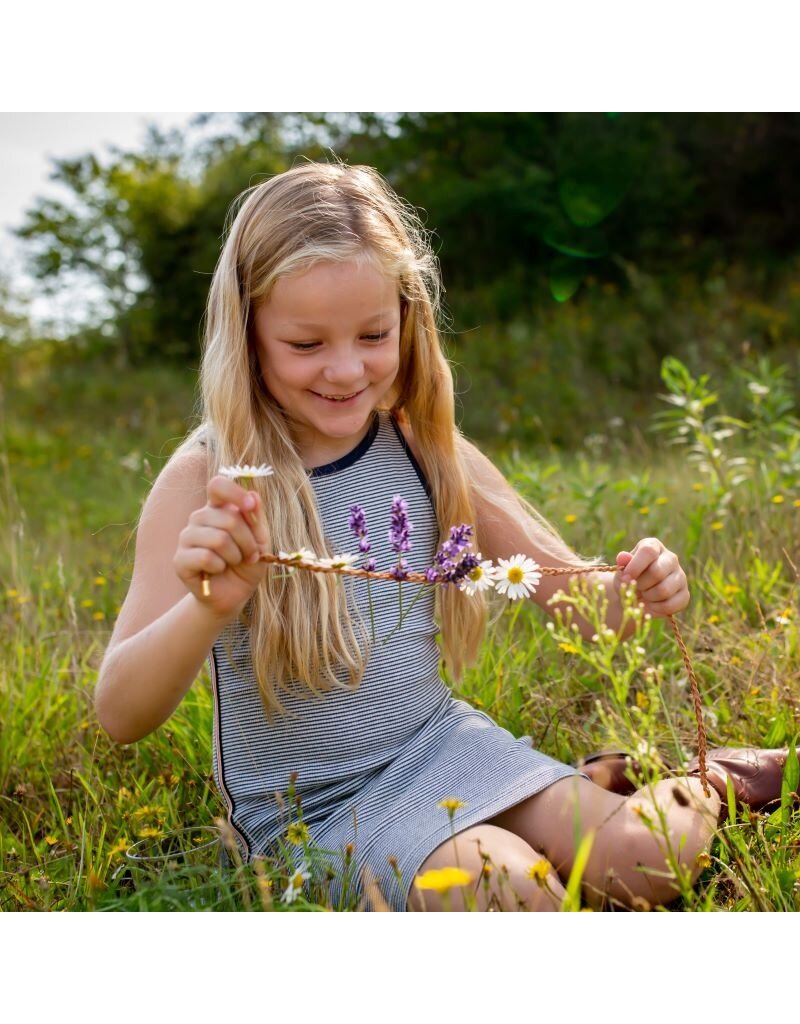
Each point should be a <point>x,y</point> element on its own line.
<point>338,561</point>
<point>479,579</point>
<point>516,577</point>
<point>296,883</point>
<point>246,472</point>
<point>301,555</point>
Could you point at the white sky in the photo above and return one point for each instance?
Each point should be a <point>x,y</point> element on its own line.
<point>27,141</point>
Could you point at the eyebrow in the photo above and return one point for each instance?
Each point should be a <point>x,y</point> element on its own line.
<point>386,315</point>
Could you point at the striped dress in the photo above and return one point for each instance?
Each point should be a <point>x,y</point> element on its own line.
<point>371,763</point>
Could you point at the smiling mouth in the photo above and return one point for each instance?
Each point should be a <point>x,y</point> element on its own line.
<point>337,398</point>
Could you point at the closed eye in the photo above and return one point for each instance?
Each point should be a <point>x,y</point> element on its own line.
<point>375,337</point>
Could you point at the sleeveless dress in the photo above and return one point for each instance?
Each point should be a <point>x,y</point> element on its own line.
<point>372,762</point>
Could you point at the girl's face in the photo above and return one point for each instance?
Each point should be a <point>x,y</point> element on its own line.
<point>328,343</point>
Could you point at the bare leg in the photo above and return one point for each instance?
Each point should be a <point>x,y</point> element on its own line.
<point>507,886</point>
<point>640,843</point>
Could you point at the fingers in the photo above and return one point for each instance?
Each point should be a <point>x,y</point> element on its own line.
<point>223,492</point>
<point>657,574</point>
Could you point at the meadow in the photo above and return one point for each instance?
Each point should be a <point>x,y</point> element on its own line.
<point>82,442</point>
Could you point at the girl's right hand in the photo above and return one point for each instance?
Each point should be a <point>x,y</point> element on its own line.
<point>223,540</point>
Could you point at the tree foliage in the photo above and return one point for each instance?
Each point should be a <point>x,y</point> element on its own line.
<point>520,205</point>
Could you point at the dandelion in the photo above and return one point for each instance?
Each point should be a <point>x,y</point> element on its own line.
<point>296,883</point>
<point>712,620</point>
<point>569,648</point>
<point>87,602</point>
<point>698,487</point>
<point>516,577</point>
<point>50,840</point>
<point>443,879</point>
<point>796,502</point>
<point>644,510</point>
<point>298,833</point>
<point>246,472</point>
<point>99,616</point>
<point>11,592</point>
<point>478,578</point>
<point>99,581</point>
<point>570,518</point>
<point>539,871</point>
<point>717,525</point>
<point>343,561</point>
<point>662,501</point>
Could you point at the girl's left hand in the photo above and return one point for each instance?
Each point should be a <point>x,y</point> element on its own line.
<point>660,581</point>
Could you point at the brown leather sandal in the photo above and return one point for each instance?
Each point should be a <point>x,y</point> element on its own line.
<point>756,775</point>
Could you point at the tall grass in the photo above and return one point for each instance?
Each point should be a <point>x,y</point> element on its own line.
<point>80,446</point>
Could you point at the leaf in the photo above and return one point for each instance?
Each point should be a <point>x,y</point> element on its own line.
<point>572,900</point>
<point>776,734</point>
<point>566,277</point>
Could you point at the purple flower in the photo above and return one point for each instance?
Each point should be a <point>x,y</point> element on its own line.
<point>400,571</point>
<point>451,564</point>
<point>358,525</point>
<point>400,527</point>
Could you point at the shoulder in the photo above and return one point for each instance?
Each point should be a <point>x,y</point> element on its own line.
<point>180,485</point>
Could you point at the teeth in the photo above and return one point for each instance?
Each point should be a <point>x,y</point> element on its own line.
<point>339,398</point>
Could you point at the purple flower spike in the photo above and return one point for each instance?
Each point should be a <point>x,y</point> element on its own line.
<point>400,571</point>
<point>358,525</point>
<point>400,527</point>
<point>451,565</point>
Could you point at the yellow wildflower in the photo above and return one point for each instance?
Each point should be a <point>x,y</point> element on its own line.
<point>87,602</point>
<point>570,518</point>
<point>148,832</point>
<point>717,525</point>
<point>796,502</point>
<point>451,804</point>
<point>99,581</point>
<point>735,659</point>
<point>120,846</point>
<point>698,487</point>
<point>99,616</point>
<point>778,499</point>
<point>141,812</point>
<point>50,840</point>
<point>712,619</point>
<point>298,833</point>
<point>702,860</point>
<point>443,879</point>
<point>641,699</point>
<point>662,501</point>
<point>644,510</point>
<point>539,871</point>
<point>569,648</point>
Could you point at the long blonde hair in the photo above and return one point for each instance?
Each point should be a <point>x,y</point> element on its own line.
<point>302,637</point>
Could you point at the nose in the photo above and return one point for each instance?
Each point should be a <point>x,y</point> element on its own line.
<point>344,368</point>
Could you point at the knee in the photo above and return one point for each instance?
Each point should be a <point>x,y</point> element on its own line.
<point>505,874</point>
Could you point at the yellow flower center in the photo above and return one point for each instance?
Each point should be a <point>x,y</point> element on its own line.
<point>476,574</point>
<point>515,574</point>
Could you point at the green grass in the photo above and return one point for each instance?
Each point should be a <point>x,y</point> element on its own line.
<point>80,447</point>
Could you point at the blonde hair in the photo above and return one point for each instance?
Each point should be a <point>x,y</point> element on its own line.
<point>302,636</point>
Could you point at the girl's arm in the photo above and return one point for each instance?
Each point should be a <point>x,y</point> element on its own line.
<point>165,628</point>
<point>506,529</point>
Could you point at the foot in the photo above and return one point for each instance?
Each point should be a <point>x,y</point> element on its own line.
<point>613,770</point>
<point>756,774</point>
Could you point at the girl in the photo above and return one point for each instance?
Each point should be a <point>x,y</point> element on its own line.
<point>322,358</point>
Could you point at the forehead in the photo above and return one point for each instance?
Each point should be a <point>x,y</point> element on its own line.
<point>331,291</point>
